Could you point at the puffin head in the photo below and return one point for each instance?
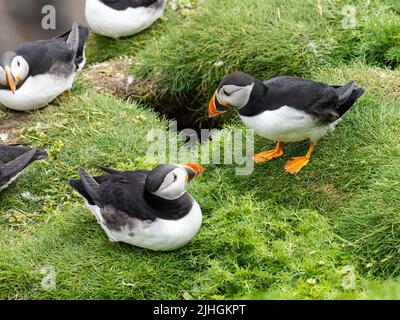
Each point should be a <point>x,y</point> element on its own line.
<point>169,181</point>
<point>234,91</point>
<point>14,70</point>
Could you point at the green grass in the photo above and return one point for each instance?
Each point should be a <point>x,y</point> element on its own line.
<point>265,39</point>
<point>245,244</point>
<point>269,235</point>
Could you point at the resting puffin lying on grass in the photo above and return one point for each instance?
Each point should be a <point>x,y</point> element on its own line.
<point>148,209</point>
<point>14,159</point>
<point>120,18</point>
<point>284,109</point>
<point>37,72</point>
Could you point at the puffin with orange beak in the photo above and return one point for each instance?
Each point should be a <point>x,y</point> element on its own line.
<point>35,73</point>
<point>147,209</point>
<point>284,109</point>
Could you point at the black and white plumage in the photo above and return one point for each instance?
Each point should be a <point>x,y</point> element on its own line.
<point>285,109</point>
<point>14,159</point>
<point>120,18</point>
<point>148,209</point>
<point>35,73</point>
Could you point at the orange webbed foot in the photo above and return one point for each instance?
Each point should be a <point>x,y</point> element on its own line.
<point>269,155</point>
<point>294,165</point>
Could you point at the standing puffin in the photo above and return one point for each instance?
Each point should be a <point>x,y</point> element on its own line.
<point>120,18</point>
<point>284,109</point>
<point>148,209</point>
<point>14,159</point>
<point>35,73</point>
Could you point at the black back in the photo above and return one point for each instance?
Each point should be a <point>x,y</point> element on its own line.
<point>318,99</point>
<point>126,192</point>
<point>125,4</point>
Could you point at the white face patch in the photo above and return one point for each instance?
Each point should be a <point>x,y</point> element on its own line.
<point>235,96</point>
<point>174,185</point>
<point>19,68</point>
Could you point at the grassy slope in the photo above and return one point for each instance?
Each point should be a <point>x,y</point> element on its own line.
<point>267,232</point>
<point>265,39</point>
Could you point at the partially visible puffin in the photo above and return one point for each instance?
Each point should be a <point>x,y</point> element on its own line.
<point>284,109</point>
<point>14,159</point>
<point>120,18</point>
<point>35,73</point>
<point>148,209</point>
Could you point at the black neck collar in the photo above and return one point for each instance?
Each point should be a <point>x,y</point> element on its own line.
<point>169,209</point>
<point>256,104</point>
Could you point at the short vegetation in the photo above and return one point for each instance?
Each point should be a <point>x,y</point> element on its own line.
<point>332,232</point>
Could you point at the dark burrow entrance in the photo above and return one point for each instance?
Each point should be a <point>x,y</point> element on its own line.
<point>113,76</point>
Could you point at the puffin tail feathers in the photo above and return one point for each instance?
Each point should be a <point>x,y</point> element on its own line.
<point>90,185</point>
<point>73,38</point>
<point>15,166</point>
<point>348,95</point>
<point>109,170</point>
<point>40,154</point>
<point>77,185</point>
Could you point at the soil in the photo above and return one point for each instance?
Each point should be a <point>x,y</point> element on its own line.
<point>114,77</point>
<point>12,126</point>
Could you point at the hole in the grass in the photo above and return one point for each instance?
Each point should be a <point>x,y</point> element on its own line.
<point>114,77</point>
<point>182,111</point>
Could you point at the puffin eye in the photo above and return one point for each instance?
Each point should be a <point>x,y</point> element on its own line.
<point>175,178</point>
<point>225,93</point>
<point>20,68</point>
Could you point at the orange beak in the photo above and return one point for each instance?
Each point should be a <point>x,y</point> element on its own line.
<point>212,108</point>
<point>195,168</point>
<point>10,80</point>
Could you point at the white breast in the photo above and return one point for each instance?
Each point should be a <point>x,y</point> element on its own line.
<point>157,235</point>
<point>112,23</point>
<point>287,125</point>
<point>36,92</point>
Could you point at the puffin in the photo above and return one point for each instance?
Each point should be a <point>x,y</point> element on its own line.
<point>35,73</point>
<point>14,159</point>
<point>147,209</point>
<point>285,109</point>
<point>121,18</point>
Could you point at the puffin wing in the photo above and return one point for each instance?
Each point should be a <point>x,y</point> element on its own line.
<point>326,103</point>
<point>121,191</point>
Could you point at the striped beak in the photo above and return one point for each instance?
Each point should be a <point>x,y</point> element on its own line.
<point>10,80</point>
<point>217,108</point>
<point>193,170</point>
